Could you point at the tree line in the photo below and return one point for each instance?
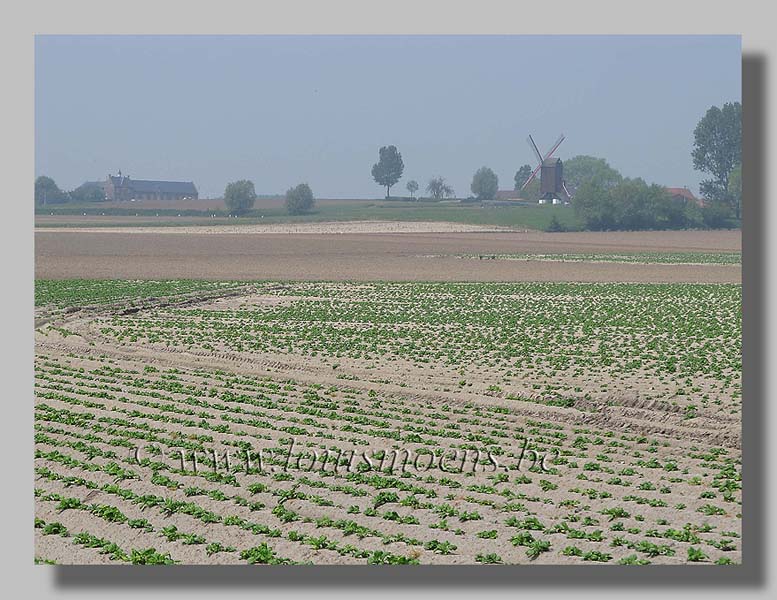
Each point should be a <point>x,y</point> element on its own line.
<point>240,197</point>
<point>48,192</point>
<point>388,171</point>
<point>603,199</point>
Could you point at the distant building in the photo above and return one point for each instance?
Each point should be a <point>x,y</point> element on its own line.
<point>684,194</point>
<point>121,188</point>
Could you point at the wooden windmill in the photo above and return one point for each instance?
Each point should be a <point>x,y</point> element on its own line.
<point>551,170</point>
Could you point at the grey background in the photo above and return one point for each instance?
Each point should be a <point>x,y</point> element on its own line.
<point>751,19</point>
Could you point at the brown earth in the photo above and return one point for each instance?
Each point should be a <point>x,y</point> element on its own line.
<point>147,254</point>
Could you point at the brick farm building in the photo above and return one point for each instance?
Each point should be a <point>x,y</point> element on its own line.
<point>122,187</point>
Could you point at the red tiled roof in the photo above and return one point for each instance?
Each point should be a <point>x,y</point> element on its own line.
<point>683,192</point>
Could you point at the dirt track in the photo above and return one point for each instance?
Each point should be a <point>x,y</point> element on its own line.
<point>369,256</point>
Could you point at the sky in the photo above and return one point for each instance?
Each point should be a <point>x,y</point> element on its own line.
<point>280,110</point>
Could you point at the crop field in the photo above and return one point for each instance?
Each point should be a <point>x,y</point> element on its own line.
<point>323,422</point>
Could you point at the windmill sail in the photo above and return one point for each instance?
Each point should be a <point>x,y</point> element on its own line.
<point>532,176</point>
<point>533,146</point>
<point>560,139</point>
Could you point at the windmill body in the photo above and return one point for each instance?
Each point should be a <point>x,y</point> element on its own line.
<point>551,178</point>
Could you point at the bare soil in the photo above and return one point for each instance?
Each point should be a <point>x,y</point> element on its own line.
<point>377,253</point>
<point>331,227</point>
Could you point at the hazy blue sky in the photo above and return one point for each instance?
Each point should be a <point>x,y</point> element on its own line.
<point>284,109</point>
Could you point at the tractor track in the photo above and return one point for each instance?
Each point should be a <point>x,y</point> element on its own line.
<point>623,413</point>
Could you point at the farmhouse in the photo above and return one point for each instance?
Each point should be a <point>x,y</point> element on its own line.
<point>684,194</point>
<point>121,187</point>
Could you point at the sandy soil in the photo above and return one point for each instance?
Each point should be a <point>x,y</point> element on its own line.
<point>179,253</point>
<point>399,389</point>
<point>332,227</point>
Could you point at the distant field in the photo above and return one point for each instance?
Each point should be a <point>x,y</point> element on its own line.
<point>643,258</point>
<point>201,205</point>
<point>527,216</point>
<point>240,254</point>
